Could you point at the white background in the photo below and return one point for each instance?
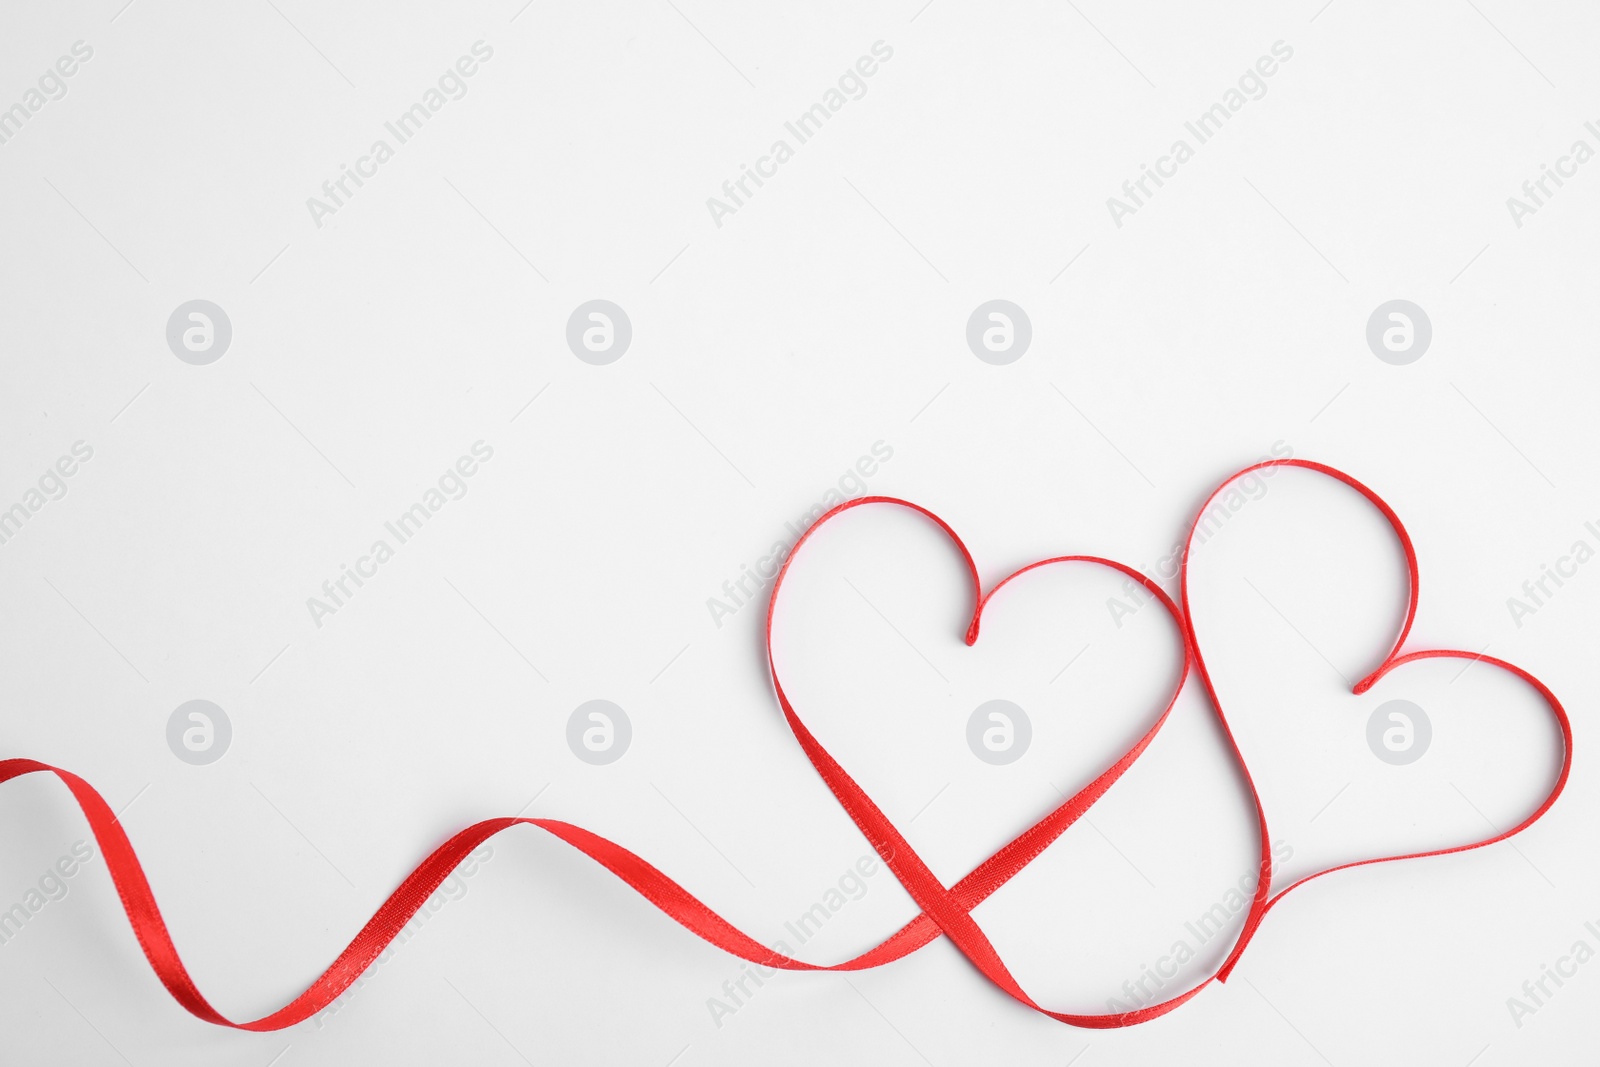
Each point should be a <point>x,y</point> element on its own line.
<point>769,353</point>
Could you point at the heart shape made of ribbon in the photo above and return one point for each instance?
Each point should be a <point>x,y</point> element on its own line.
<point>1264,899</point>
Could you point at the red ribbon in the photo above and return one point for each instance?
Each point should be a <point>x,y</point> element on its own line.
<point>945,910</point>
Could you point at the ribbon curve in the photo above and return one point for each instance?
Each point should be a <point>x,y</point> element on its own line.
<point>945,911</point>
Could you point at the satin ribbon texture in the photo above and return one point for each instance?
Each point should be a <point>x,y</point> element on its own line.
<point>946,911</point>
